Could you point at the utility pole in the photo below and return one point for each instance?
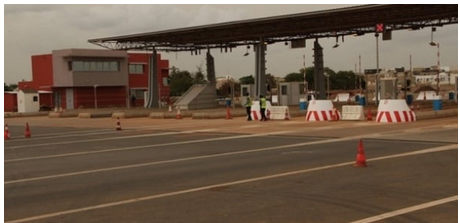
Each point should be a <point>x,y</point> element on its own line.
<point>377,79</point>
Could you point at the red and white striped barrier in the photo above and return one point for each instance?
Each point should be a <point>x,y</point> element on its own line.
<point>321,110</point>
<point>394,111</point>
<point>255,110</point>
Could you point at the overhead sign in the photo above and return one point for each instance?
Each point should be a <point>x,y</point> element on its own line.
<point>380,27</point>
<point>299,43</point>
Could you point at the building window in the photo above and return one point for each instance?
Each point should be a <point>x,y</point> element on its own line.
<point>138,93</point>
<point>136,69</point>
<point>283,90</point>
<point>111,66</point>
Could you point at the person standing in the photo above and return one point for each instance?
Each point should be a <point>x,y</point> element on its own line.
<point>133,100</point>
<point>248,105</point>
<point>263,107</point>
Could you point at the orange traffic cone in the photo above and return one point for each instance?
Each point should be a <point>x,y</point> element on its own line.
<point>229,116</point>
<point>369,115</point>
<point>178,116</point>
<point>170,109</point>
<point>360,158</point>
<point>7,132</point>
<point>268,114</point>
<point>27,132</point>
<point>118,125</point>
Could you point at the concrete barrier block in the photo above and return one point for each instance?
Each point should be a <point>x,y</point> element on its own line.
<point>118,115</point>
<point>200,115</point>
<point>84,115</point>
<point>157,115</point>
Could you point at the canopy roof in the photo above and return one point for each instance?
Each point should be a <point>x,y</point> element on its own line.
<point>356,20</point>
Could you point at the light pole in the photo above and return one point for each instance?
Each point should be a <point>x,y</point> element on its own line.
<point>95,96</point>
<point>377,91</point>
<point>433,29</point>
<point>439,66</point>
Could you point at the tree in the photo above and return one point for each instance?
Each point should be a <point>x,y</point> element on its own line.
<point>180,82</point>
<point>10,87</point>
<point>270,81</point>
<point>226,89</point>
<point>247,80</point>
<point>198,77</point>
<point>343,80</point>
<point>294,77</point>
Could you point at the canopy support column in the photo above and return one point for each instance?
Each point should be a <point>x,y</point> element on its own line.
<point>260,81</point>
<point>153,91</point>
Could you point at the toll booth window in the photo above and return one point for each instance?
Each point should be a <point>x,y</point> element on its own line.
<point>284,90</point>
<point>245,90</point>
<point>35,98</point>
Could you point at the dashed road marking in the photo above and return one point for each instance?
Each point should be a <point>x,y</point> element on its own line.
<point>244,181</point>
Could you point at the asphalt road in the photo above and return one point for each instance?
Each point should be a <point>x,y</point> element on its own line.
<point>75,170</point>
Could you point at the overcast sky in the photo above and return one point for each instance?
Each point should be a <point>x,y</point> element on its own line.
<point>39,29</point>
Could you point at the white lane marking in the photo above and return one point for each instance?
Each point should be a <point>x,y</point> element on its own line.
<point>63,135</point>
<point>111,138</point>
<point>92,140</point>
<point>244,181</point>
<point>106,131</point>
<point>180,143</point>
<point>219,155</point>
<point>151,146</point>
<point>407,210</point>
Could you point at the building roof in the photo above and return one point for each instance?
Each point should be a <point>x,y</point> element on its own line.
<point>356,20</point>
<point>29,91</point>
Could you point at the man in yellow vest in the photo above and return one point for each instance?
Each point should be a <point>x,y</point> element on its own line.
<point>248,105</point>
<point>263,107</point>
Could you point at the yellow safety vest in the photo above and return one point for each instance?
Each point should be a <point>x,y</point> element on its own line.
<point>263,103</point>
<point>248,102</point>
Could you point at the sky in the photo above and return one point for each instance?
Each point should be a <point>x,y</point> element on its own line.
<point>39,29</point>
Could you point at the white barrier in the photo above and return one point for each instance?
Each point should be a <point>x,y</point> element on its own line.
<point>426,95</point>
<point>255,110</point>
<point>394,111</point>
<point>355,112</point>
<point>280,113</point>
<point>321,110</point>
<point>342,97</point>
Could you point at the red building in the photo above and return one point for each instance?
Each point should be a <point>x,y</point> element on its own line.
<point>87,78</point>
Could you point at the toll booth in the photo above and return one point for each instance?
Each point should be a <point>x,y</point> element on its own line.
<point>388,88</point>
<point>248,88</point>
<point>28,101</point>
<point>290,93</point>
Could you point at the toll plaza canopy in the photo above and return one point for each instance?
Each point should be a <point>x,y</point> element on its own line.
<point>356,20</point>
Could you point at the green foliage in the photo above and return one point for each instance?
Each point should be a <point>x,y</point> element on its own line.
<point>247,80</point>
<point>344,80</point>
<point>180,82</point>
<point>294,77</point>
<point>10,87</point>
<point>199,77</point>
<point>270,80</point>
